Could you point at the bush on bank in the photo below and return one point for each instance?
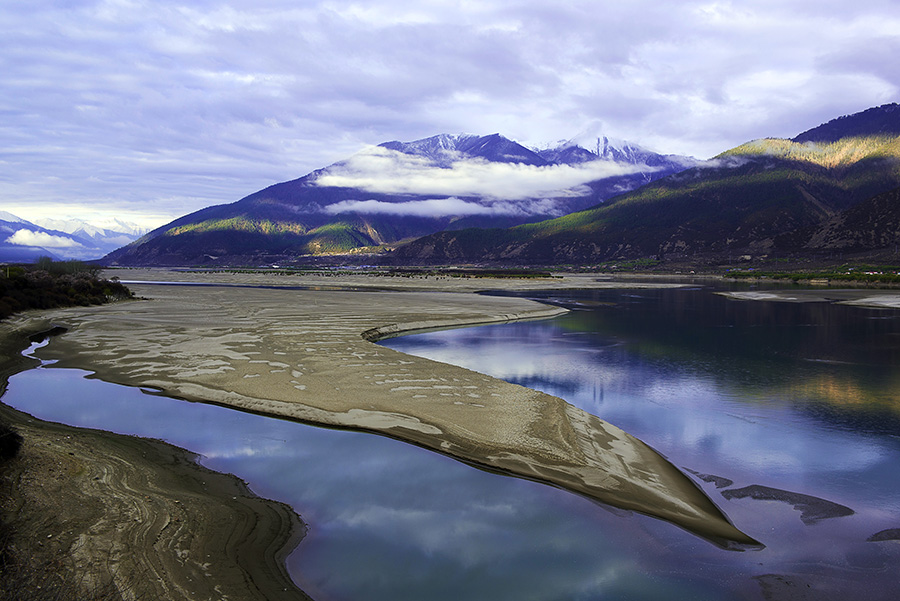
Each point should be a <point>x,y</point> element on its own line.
<point>51,284</point>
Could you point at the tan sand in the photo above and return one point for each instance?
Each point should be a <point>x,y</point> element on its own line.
<point>301,354</point>
<point>883,299</point>
<point>143,518</point>
<point>96,513</point>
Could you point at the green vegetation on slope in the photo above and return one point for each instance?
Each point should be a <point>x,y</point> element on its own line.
<point>764,196</point>
<point>841,153</point>
<point>240,224</point>
<point>336,237</point>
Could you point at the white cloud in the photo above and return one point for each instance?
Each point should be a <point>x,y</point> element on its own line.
<point>42,239</point>
<point>444,207</point>
<point>388,171</point>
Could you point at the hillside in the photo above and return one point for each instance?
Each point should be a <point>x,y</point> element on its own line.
<point>877,121</point>
<point>870,226</point>
<point>765,197</point>
<point>400,191</point>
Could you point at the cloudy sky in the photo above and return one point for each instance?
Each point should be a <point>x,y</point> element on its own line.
<point>150,109</point>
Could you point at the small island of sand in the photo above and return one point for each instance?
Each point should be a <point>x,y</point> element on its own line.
<point>301,347</point>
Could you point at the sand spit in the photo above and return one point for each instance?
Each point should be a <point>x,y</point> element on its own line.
<point>301,354</point>
<point>812,509</point>
<point>879,299</point>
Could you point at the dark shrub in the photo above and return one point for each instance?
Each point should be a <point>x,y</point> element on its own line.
<point>56,284</point>
<point>10,441</point>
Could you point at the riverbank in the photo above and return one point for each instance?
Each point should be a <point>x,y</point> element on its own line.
<point>293,347</point>
<point>94,515</point>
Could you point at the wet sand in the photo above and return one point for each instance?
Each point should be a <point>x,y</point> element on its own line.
<point>136,518</point>
<point>143,517</point>
<point>306,355</point>
<point>879,299</point>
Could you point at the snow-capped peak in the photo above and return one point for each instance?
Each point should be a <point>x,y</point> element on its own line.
<point>94,228</point>
<point>5,216</point>
<point>435,147</point>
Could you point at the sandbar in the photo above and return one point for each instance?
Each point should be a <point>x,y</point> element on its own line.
<point>300,347</point>
<point>812,509</point>
<point>879,299</point>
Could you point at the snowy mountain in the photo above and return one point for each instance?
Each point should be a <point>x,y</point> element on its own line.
<point>446,148</point>
<point>10,218</point>
<point>583,149</point>
<point>828,191</point>
<point>93,229</point>
<point>398,191</point>
<point>24,241</point>
<point>106,235</point>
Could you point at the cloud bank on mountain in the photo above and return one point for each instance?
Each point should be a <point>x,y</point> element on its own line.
<point>498,185</point>
<point>28,238</point>
<point>444,207</point>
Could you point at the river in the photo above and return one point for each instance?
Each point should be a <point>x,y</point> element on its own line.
<point>789,414</point>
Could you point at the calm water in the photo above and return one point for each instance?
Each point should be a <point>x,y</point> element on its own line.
<point>799,398</point>
<point>803,398</point>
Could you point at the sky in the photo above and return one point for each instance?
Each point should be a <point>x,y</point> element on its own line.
<point>149,110</point>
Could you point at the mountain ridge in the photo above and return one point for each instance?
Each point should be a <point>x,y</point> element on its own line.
<point>879,120</point>
<point>392,192</point>
<point>766,197</point>
<point>759,198</point>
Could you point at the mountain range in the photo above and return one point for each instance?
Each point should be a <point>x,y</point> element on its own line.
<point>400,191</point>
<point>468,199</point>
<point>25,241</point>
<point>829,191</point>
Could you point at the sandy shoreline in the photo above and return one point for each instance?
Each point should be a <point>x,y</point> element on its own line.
<point>143,516</point>
<point>300,348</point>
<point>306,355</point>
<point>877,299</point>
<point>300,354</point>
<point>135,516</point>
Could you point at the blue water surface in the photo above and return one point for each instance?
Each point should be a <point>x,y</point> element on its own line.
<point>792,398</point>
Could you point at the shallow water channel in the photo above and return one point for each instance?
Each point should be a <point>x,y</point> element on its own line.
<point>789,414</point>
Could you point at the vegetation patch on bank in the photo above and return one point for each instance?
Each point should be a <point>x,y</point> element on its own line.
<point>445,271</point>
<point>502,273</point>
<point>49,284</point>
<point>861,275</point>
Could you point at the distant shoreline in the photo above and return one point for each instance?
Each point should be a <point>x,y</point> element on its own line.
<point>859,297</point>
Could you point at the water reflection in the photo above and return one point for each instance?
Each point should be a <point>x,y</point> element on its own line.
<point>801,398</point>
<point>681,370</point>
<point>389,520</point>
